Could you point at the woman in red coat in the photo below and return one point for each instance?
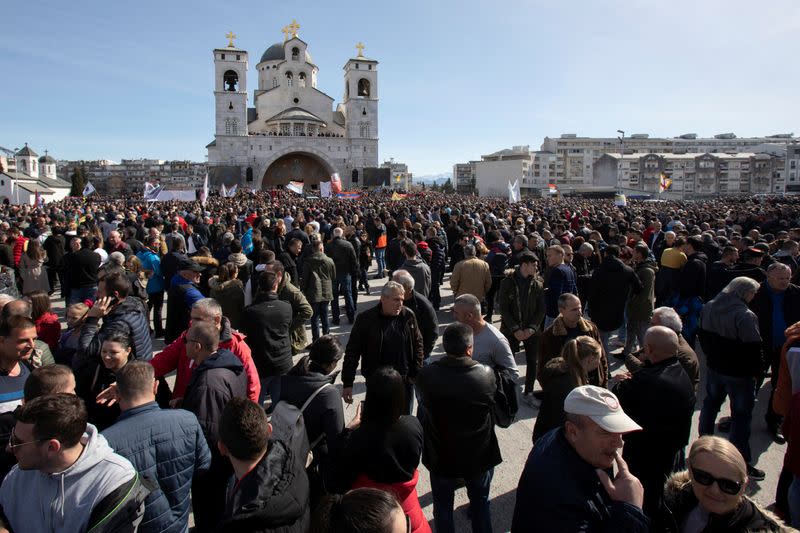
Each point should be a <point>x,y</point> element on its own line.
<point>47,326</point>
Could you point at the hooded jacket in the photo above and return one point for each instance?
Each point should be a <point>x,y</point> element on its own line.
<point>301,312</point>
<point>692,279</point>
<point>173,359</point>
<point>100,486</point>
<point>267,327</point>
<point>679,501</point>
<point>230,295</point>
<point>421,273</point>
<point>272,497</point>
<point>730,337</point>
<point>218,379</point>
<point>316,281</point>
<point>181,296</point>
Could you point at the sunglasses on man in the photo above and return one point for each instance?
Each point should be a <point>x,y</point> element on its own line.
<point>728,486</point>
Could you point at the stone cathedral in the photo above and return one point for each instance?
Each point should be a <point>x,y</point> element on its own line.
<point>292,131</point>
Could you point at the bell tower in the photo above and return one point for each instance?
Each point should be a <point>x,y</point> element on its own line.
<point>361,96</point>
<point>230,89</point>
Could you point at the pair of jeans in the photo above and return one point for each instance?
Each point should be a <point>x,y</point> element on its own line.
<point>531,346</point>
<point>319,315</point>
<point>636,330</point>
<point>490,297</point>
<point>155,303</point>
<point>270,386</point>
<point>79,294</point>
<point>342,286</point>
<point>444,489</point>
<point>380,257</point>
<point>742,392</point>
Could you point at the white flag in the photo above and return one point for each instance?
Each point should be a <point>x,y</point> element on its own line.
<point>295,186</point>
<point>151,191</point>
<point>232,191</point>
<point>223,191</point>
<point>325,189</point>
<point>204,194</point>
<point>513,191</point>
<point>89,189</point>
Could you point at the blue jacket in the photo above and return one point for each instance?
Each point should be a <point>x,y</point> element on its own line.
<point>167,446</point>
<point>559,491</point>
<point>151,261</point>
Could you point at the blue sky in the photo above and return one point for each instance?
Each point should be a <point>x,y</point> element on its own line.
<point>458,79</point>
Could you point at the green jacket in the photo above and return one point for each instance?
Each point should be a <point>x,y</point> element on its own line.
<point>640,304</point>
<point>316,281</point>
<point>512,315</point>
<point>301,311</point>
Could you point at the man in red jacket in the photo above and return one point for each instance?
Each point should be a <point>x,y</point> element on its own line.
<point>174,357</point>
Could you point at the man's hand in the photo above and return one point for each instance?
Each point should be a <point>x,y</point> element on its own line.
<point>100,308</point>
<point>347,394</point>
<point>108,396</point>
<point>626,487</point>
<point>520,335</point>
<point>356,421</point>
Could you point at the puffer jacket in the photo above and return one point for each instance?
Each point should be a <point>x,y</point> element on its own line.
<point>214,382</point>
<point>173,359</point>
<point>230,295</point>
<point>316,281</point>
<point>126,318</point>
<point>640,305</point>
<point>471,276</point>
<point>272,497</point>
<point>168,447</point>
<point>679,501</point>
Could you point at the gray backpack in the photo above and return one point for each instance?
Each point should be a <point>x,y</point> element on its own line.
<point>289,427</point>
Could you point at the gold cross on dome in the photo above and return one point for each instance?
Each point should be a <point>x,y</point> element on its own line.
<point>230,36</point>
<point>293,27</point>
<point>286,31</point>
<point>360,47</point>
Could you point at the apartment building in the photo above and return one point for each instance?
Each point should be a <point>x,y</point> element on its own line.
<point>130,175</point>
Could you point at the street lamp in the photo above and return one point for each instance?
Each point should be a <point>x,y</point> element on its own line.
<point>621,157</point>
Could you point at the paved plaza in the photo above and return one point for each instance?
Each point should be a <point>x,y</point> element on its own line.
<point>515,442</point>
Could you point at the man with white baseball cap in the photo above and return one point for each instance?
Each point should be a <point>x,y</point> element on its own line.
<point>567,483</point>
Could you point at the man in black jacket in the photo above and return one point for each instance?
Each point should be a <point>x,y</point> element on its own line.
<point>80,267</point>
<point>611,284</point>
<point>660,398</point>
<point>269,490</point>
<point>460,442</point>
<point>268,328</point>
<point>218,377</point>
<point>423,309</point>
<point>346,262</point>
<point>54,245</point>
<point>777,306</point>
<point>385,335</point>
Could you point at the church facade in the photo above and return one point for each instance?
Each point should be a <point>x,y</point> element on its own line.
<point>291,131</point>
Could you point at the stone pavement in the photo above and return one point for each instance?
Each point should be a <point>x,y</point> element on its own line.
<point>515,441</point>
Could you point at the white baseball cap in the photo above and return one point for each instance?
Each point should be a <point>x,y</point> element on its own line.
<point>602,406</point>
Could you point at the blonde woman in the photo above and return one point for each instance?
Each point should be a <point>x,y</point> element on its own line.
<point>560,375</point>
<point>710,494</point>
<point>31,268</point>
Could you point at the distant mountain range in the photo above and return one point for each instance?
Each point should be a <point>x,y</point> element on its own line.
<point>438,179</point>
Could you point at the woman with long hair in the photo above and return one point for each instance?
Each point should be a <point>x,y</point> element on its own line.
<point>32,270</point>
<point>115,353</point>
<point>47,326</point>
<point>562,374</point>
<point>228,290</point>
<point>381,447</point>
<point>710,494</point>
<point>360,511</point>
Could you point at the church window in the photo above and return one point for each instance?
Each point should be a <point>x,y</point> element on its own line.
<point>223,56</point>
<point>231,126</point>
<point>289,77</point>
<point>237,57</point>
<point>299,129</point>
<point>231,80</point>
<point>230,106</point>
<point>274,82</point>
<point>368,66</point>
<point>356,65</point>
<point>296,100</point>
<point>302,78</point>
<point>295,53</point>
<point>363,88</point>
<point>285,129</point>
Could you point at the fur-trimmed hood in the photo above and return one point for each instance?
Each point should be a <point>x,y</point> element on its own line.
<point>560,329</point>
<point>205,261</point>
<point>679,501</point>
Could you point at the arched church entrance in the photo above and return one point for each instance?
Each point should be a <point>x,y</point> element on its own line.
<point>296,166</point>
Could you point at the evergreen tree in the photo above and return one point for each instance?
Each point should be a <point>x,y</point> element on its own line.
<point>448,186</point>
<point>78,179</point>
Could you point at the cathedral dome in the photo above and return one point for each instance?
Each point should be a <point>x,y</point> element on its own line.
<point>278,52</point>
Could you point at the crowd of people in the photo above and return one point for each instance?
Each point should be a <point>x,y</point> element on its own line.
<point>251,433</point>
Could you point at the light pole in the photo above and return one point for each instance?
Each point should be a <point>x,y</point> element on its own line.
<point>621,157</point>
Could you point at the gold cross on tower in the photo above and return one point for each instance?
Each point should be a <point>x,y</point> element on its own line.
<point>285,31</point>
<point>360,47</point>
<point>230,36</point>
<point>293,27</point>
